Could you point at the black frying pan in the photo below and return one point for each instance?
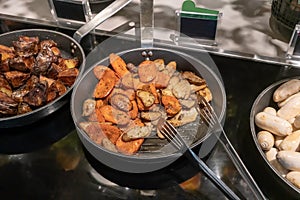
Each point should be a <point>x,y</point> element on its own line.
<point>145,162</point>
<point>69,48</point>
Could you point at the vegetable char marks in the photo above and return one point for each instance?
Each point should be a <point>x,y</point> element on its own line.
<point>132,97</point>
<point>106,83</point>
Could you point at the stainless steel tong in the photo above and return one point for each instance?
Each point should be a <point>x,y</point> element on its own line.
<point>209,116</point>
<point>172,135</point>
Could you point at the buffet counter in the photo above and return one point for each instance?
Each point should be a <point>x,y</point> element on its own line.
<point>46,160</point>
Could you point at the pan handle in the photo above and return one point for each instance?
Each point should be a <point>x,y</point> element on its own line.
<point>99,18</point>
<point>146,23</point>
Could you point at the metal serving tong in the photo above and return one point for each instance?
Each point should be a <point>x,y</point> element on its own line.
<point>209,116</point>
<point>172,135</point>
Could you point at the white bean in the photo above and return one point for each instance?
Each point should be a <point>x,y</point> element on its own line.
<point>291,142</point>
<point>297,122</point>
<point>278,140</point>
<point>270,110</point>
<point>286,90</point>
<point>274,124</point>
<point>290,110</point>
<point>294,178</point>
<point>289,159</point>
<point>282,103</point>
<point>271,154</point>
<point>271,157</point>
<point>265,140</point>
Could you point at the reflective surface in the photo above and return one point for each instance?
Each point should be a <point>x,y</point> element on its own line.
<point>246,28</point>
<point>62,170</point>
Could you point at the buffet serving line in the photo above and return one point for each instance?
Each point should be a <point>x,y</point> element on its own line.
<point>69,149</point>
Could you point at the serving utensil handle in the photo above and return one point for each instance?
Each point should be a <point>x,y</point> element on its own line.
<point>99,18</point>
<point>213,177</point>
<point>231,152</point>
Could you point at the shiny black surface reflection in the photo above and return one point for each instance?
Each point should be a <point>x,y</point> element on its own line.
<point>61,170</point>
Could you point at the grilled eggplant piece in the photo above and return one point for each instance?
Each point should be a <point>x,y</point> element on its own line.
<point>37,96</point>
<point>16,78</point>
<point>18,94</point>
<point>70,63</point>
<point>6,52</point>
<point>4,86</point>
<point>43,62</point>
<point>56,89</point>
<point>23,108</point>
<point>68,76</point>
<point>53,71</point>
<point>46,44</point>
<point>4,66</point>
<point>18,64</point>
<point>8,106</point>
<point>184,117</point>
<point>26,46</point>
<point>32,81</point>
<point>136,133</point>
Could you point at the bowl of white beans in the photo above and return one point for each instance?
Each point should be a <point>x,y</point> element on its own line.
<point>275,128</point>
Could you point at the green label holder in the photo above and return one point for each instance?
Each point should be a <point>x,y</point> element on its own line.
<point>195,23</point>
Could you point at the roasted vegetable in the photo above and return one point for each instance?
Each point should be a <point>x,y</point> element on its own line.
<point>33,73</point>
<point>118,64</point>
<point>106,84</point>
<point>129,99</point>
<point>147,71</point>
<point>8,106</point>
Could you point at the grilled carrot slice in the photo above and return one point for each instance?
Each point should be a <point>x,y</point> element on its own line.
<point>111,132</point>
<point>118,64</point>
<point>106,84</point>
<point>99,115</point>
<point>171,104</point>
<point>129,147</point>
<point>133,113</point>
<point>114,115</point>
